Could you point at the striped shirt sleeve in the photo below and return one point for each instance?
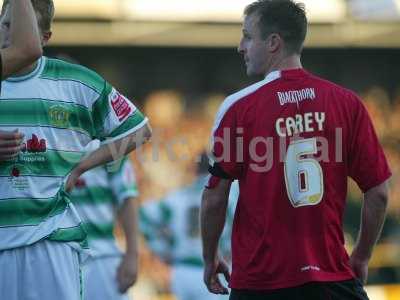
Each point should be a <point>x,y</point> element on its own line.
<point>114,115</point>
<point>122,180</point>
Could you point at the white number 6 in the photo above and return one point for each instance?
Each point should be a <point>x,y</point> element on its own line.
<point>303,176</point>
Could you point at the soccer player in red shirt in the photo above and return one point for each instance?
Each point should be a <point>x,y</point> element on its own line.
<point>292,140</point>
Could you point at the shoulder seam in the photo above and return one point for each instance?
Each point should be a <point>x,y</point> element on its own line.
<point>232,99</point>
<point>61,65</point>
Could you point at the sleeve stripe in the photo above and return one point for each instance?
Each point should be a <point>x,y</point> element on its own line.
<point>232,99</point>
<point>128,194</point>
<point>136,128</point>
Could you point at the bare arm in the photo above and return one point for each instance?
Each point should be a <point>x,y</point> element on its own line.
<point>127,270</point>
<point>372,220</point>
<point>25,45</point>
<point>213,212</point>
<point>109,152</point>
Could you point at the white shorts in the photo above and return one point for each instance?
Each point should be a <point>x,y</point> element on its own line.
<point>187,284</point>
<point>100,279</point>
<point>43,271</point>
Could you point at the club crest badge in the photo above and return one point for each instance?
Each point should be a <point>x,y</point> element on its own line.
<point>59,116</point>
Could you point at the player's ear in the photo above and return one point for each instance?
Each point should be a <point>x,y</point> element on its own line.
<point>274,42</point>
<point>46,38</point>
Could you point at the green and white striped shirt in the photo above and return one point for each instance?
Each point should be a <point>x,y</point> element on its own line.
<point>60,108</point>
<point>171,226</point>
<point>97,197</point>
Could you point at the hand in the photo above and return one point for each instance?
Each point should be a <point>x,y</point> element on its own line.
<point>72,180</point>
<point>211,271</point>
<point>127,272</point>
<point>10,144</point>
<point>359,267</point>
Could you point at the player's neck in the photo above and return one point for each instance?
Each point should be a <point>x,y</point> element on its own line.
<point>27,70</point>
<point>285,63</point>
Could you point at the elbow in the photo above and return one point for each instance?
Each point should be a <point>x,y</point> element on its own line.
<point>383,198</point>
<point>140,137</point>
<point>379,195</point>
<point>147,133</point>
<point>212,201</point>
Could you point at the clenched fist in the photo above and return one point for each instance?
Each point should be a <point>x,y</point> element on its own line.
<point>10,144</point>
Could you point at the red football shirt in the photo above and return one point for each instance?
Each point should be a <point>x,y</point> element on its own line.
<point>292,140</point>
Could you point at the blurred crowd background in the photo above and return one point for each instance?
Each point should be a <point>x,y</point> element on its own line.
<point>177,65</point>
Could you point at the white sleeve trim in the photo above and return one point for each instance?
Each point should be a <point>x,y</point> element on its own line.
<point>232,99</point>
<point>136,128</point>
<point>126,195</point>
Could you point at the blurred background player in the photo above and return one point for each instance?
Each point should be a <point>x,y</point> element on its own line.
<point>102,196</point>
<point>288,240</point>
<point>23,48</point>
<point>172,230</point>
<point>60,108</point>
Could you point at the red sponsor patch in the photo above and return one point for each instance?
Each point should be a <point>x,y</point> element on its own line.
<point>15,172</point>
<point>34,145</point>
<point>120,106</point>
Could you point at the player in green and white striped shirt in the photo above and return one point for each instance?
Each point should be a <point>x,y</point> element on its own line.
<point>100,196</point>
<point>172,230</point>
<point>59,108</point>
